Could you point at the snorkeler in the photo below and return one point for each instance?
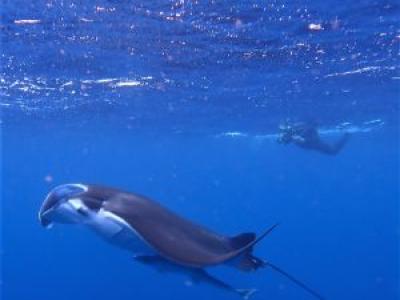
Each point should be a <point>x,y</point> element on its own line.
<point>306,136</point>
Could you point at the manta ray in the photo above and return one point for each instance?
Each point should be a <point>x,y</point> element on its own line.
<point>155,235</point>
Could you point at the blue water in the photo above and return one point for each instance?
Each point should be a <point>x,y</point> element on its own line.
<point>181,101</point>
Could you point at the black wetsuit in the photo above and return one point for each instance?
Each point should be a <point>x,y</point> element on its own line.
<point>307,137</point>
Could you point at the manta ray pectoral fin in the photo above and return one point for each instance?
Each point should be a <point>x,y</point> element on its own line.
<point>157,262</point>
<point>196,277</point>
<point>151,260</point>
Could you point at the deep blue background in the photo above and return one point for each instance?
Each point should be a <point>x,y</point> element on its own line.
<point>202,70</point>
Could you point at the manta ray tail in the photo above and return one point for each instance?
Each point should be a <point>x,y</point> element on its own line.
<point>248,262</point>
<point>246,293</point>
<point>294,280</point>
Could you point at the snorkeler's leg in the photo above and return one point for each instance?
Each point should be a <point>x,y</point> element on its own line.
<point>342,142</point>
<point>335,148</point>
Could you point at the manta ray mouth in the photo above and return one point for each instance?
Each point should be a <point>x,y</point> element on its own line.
<point>72,211</point>
<point>45,218</point>
<point>45,222</point>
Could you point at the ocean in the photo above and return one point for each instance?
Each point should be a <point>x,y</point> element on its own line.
<point>182,101</point>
